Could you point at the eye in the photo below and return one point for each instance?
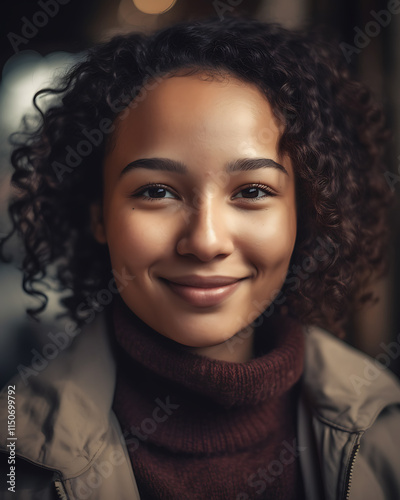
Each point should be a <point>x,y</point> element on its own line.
<point>154,191</point>
<point>255,192</point>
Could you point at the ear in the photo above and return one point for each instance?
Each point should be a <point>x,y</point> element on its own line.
<point>96,222</point>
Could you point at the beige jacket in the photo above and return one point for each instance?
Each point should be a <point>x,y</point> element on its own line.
<point>70,446</point>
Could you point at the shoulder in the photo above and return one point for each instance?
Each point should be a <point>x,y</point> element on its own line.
<point>355,407</point>
<point>344,385</point>
<point>62,399</point>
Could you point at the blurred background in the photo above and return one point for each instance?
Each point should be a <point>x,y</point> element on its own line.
<point>40,39</point>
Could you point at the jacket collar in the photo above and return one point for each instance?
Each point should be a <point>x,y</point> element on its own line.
<point>345,387</point>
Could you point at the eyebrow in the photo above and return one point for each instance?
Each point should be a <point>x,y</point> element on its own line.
<point>175,166</point>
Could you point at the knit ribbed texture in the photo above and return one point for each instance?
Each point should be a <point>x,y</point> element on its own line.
<point>198,428</point>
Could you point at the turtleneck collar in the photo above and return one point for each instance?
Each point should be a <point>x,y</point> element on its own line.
<point>153,367</point>
<point>228,383</point>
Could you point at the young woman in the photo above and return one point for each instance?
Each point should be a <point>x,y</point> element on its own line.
<point>213,198</point>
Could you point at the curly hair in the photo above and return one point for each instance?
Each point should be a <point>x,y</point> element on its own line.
<point>334,134</point>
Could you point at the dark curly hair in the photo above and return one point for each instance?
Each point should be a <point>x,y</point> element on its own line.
<point>333,132</point>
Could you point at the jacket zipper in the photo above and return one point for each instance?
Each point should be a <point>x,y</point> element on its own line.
<point>59,486</point>
<point>349,475</point>
<point>62,494</point>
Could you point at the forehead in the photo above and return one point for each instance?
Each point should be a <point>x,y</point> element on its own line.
<point>199,105</point>
<point>201,91</point>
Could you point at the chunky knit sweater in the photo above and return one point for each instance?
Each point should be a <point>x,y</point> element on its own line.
<point>199,428</point>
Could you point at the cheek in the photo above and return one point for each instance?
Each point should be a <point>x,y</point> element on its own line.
<point>271,239</point>
<point>137,238</point>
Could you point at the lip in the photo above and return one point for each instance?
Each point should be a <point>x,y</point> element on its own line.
<point>203,281</point>
<point>203,291</point>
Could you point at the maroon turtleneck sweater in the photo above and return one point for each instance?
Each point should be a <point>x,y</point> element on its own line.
<point>199,428</point>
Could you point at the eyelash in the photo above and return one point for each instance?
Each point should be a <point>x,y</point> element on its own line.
<point>262,187</point>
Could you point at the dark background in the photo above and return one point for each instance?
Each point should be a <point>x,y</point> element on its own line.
<point>78,24</point>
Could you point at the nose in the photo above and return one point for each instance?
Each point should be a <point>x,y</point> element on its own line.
<point>206,233</point>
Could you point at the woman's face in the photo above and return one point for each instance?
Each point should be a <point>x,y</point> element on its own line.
<point>199,208</point>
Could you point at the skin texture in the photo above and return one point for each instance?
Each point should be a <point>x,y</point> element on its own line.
<point>205,224</point>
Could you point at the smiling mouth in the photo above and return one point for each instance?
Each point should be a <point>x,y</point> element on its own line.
<point>204,294</point>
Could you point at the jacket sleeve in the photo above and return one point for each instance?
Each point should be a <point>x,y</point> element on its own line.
<point>376,474</point>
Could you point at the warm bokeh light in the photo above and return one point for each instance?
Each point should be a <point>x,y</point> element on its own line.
<point>154,6</point>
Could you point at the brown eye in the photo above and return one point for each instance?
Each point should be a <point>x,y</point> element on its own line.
<point>154,191</point>
<point>255,192</point>
<point>250,192</point>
